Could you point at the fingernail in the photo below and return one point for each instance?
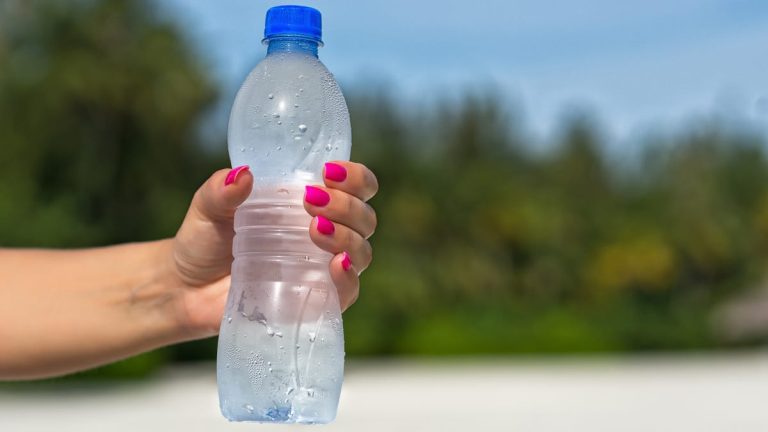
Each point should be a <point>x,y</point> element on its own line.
<point>324,226</point>
<point>335,172</point>
<point>232,175</point>
<point>346,263</point>
<point>316,196</point>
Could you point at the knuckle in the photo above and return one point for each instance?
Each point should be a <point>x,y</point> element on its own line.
<point>367,254</point>
<point>373,220</point>
<point>349,205</point>
<point>349,239</point>
<point>371,184</point>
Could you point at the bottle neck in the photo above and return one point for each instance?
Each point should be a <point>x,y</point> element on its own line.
<point>292,44</point>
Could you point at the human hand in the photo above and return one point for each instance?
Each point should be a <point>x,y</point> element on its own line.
<point>201,252</point>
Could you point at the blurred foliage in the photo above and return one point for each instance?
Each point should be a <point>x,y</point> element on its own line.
<point>483,246</point>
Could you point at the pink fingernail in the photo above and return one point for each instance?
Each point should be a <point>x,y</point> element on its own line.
<point>346,263</point>
<point>316,196</point>
<point>232,175</point>
<point>335,172</point>
<point>324,226</point>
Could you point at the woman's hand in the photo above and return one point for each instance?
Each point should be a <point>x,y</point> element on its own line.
<point>201,253</point>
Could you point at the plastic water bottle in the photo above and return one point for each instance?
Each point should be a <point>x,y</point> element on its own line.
<point>281,344</point>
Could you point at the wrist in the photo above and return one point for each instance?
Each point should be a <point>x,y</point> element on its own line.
<point>155,297</point>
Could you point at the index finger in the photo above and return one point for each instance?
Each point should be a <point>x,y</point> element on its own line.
<point>351,177</point>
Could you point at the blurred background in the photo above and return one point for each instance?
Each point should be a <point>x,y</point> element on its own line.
<point>570,183</point>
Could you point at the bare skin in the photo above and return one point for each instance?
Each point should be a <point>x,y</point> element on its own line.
<point>64,311</point>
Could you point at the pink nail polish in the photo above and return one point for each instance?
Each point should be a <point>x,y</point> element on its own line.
<point>346,263</point>
<point>324,226</point>
<point>232,175</point>
<point>335,172</point>
<point>316,196</point>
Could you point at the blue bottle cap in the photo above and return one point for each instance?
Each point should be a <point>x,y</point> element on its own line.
<point>299,21</point>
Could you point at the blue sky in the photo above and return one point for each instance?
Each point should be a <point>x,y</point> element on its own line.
<point>636,64</point>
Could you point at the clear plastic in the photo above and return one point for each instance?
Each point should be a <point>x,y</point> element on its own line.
<point>281,344</point>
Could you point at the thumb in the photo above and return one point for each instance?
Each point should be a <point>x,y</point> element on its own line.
<point>219,196</point>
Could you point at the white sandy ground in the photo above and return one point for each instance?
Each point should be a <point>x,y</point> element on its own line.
<point>724,392</point>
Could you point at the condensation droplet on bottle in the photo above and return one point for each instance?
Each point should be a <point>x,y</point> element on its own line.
<point>301,90</point>
<point>270,96</point>
<point>295,105</point>
<point>328,147</point>
<point>279,122</point>
<point>302,128</point>
<point>297,138</point>
<point>229,319</point>
<point>278,333</point>
<point>270,331</point>
<point>289,391</point>
<point>312,336</point>
<point>276,115</point>
<point>301,76</point>
<point>336,148</point>
<point>242,149</point>
<point>248,407</point>
<point>279,148</point>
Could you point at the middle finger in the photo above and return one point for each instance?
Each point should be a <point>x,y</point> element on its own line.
<point>340,207</point>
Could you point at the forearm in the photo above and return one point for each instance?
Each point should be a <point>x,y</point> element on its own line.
<point>62,311</point>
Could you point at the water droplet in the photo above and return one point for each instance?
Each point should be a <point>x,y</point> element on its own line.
<point>269,363</point>
<point>270,96</point>
<point>226,365</point>
<point>311,392</point>
<point>276,115</point>
<point>279,148</point>
<point>302,128</point>
<point>270,331</point>
<point>279,122</point>
<point>229,320</point>
<point>289,391</point>
<point>295,105</point>
<point>242,149</point>
<point>278,333</point>
<point>312,336</point>
<point>248,407</point>
<point>297,138</point>
<point>301,76</point>
<point>270,369</point>
<point>301,90</point>
<point>336,148</point>
<point>328,147</point>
